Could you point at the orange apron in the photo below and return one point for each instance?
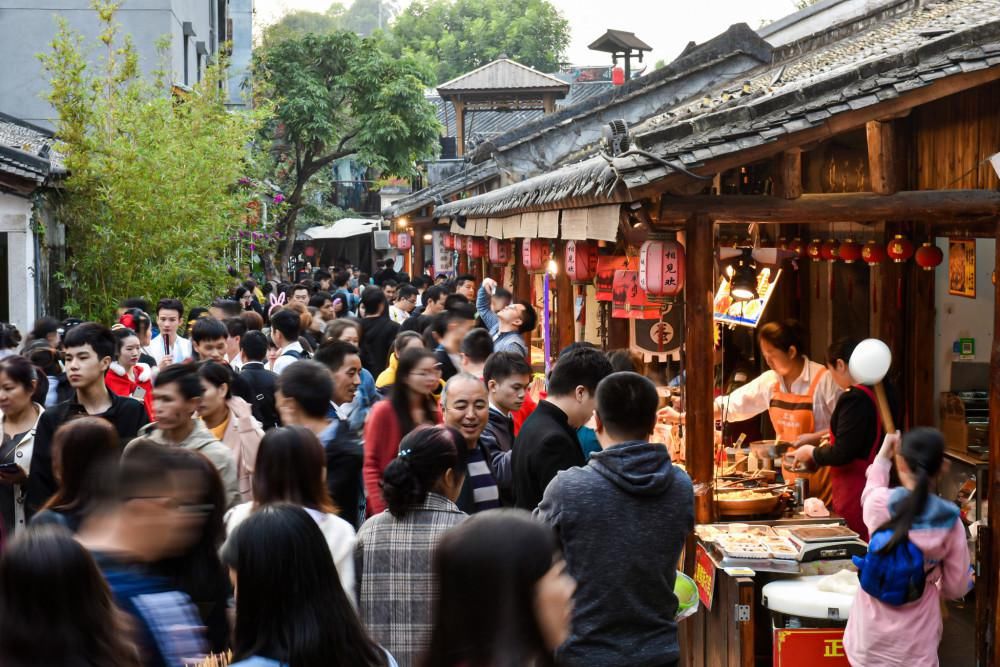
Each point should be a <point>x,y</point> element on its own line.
<point>792,416</point>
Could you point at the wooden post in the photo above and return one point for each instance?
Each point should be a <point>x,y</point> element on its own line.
<point>565,320</point>
<point>548,103</point>
<point>789,181</point>
<point>418,251</point>
<point>700,433</point>
<point>882,163</point>
<point>522,288</point>
<point>988,569</point>
<point>459,127</point>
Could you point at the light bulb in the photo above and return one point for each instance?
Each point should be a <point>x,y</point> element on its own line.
<point>552,268</point>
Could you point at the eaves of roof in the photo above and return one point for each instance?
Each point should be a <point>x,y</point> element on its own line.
<point>466,178</point>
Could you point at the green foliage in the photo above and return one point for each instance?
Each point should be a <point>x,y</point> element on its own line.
<point>363,17</point>
<point>461,35</point>
<point>366,16</point>
<point>150,201</point>
<point>340,95</point>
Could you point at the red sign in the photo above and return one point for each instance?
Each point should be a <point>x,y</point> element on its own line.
<point>704,577</point>
<point>629,300</point>
<point>820,646</point>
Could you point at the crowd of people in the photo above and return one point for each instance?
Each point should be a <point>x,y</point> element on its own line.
<point>347,470</point>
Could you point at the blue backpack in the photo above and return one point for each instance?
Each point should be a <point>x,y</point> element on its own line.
<point>896,577</point>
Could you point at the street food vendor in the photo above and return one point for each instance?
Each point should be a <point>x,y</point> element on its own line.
<point>798,394</point>
<point>856,434</point>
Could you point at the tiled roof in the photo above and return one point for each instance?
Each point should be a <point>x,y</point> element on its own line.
<point>471,176</point>
<point>503,74</point>
<point>26,150</point>
<point>616,40</point>
<point>852,71</point>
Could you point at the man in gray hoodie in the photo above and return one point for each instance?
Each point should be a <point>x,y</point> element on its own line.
<point>622,520</point>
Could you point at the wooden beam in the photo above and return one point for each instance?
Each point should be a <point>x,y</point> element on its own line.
<point>789,175</point>
<point>418,252</point>
<point>942,206</point>
<point>459,127</point>
<point>882,166</point>
<point>700,435</point>
<point>988,569</point>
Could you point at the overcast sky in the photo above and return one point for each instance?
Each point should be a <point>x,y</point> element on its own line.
<point>666,26</point>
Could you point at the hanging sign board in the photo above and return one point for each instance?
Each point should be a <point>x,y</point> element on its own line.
<point>728,310</point>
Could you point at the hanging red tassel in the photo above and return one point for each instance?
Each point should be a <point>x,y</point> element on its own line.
<point>830,285</point>
<point>899,293</point>
<point>817,285</point>
<point>874,296</point>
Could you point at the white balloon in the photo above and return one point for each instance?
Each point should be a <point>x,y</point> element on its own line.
<point>870,361</point>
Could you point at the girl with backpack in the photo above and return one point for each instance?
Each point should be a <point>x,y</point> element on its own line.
<point>917,555</point>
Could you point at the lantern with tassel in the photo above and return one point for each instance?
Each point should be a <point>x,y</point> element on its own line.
<point>393,239</point>
<point>829,251</point>
<point>873,253</point>
<point>850,251</point>
<point>661,269</point>
<point>448,240</point>
<point>581,261</point>
<point>899,249</point>
<point>813,250</point>
<point>499,252</point>
<point>798,247</point>
<point>404,241</point>
<point>535,255</point>
<point>928,256</point>
<point>476,248</point>
<point>460,242</point>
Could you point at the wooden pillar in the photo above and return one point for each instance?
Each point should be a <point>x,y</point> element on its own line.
<point>882,163</point>
<point>789,175</point>
<point>989,577</point>
<point>522,288</point>
<point>700,434</point>
<point>548,103</point>
<point>563,287</point>
<point>459,127</point>
<point>920,339</point>
<point>418,250</point>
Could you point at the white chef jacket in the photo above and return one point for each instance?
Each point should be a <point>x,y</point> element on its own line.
<point>754,397</point>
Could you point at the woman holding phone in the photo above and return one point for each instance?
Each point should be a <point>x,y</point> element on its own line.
<point>22,392</point>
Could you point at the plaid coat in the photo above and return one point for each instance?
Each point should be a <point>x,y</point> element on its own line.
<point>393,565</point>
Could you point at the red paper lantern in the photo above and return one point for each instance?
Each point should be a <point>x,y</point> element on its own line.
<point>813,250</point>
<point>310,251</point>
<point>829,250</point>
<point>617,76</point>
<point>535,255</point>
<point>404,241</point>
<point>873,253</point>
<point>899,249</point>
<point>448,240</point>
<point>499,252</point>
<point>393,238</point>
<point>581,261</point>
<point>460,243</point>
<point>476,248</point>
<point>798,247</point>
<point>661,268</point>
<point>850,251</point>
<point>929,256</point>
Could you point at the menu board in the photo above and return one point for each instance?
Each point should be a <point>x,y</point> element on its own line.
<point>745,313</point>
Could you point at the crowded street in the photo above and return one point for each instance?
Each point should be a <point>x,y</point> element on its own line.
<point>460,333</point>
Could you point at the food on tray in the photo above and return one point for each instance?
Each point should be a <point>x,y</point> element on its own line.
<point>747,494</point>
<point>782,551</point>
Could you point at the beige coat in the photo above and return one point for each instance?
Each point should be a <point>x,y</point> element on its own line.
<point>202,441</point>
<point>242,436</point>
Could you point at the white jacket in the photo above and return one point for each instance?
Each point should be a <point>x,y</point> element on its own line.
<point>22,457</point>
<point>338,533</point>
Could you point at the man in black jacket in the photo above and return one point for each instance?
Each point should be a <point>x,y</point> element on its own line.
<point>89,349</point>
<point>304,393</point>
<point>262,382</point>
<point>450,328</point>
<point>377,331</point>
<point>507,376</point>
<point>622,521</point>
<point>547,442</point>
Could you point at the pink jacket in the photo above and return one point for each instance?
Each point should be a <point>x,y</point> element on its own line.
<point>879,635</point>
<point>242,436</point>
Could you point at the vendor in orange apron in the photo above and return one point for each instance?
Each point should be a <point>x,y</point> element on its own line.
<point>792,417</point>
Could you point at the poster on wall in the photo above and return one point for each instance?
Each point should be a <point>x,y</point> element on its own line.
<point>962,267</point>
<point>444,259</point>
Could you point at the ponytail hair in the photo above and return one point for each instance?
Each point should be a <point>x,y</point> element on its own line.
<point>923,451</point>
<point>425,454</point>
<point>20,370</point>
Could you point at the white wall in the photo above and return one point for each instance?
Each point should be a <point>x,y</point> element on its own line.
<point>15,215</point>
<point>962,317</point>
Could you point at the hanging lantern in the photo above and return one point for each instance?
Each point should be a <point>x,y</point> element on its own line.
<point>873,253</point>
<point>404,241</point>
<point>782,243</point>
<point>929,256</point>
<point>899,249</point>
<point>393,239</point>
<point>813,250</point>
<point>476,248</point>
<point>829,250</point>
<point>448,240</point>
<point>850,251</point>
<point>310,251</point>
<point>661,268</point>
<point>798,247</point>
<point>581,261</point>
<point>460,242</point>
<point>535,255</point>
<point>499,252</point>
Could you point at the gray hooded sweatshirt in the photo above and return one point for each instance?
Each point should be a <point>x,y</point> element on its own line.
<point>622,520</point>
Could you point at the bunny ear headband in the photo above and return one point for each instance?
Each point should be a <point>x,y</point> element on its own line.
<point>277,300</point>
